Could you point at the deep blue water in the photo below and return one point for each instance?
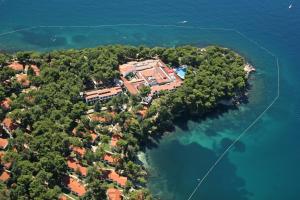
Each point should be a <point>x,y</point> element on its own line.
<point>265,163</point>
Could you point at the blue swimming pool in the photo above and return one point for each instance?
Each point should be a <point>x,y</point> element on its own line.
<point>181,71</point>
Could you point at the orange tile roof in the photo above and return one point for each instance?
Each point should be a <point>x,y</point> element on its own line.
<point>153,72</point>
<point>109,158</point>
<point>74,185</point>
<point>94,137</point>
<point>170,86</point>
<point>143,111</point>
<point>121,180</point>
<point>75,132</point>
<point>126,68</point>
<point>23,79</point>
<point>5,104</point>
<point>3,143</point>
<point>114,194</point>
<point>103,92</point>
<point>9,124</point>
<point>16,66</point>
<point>114,140</point>
<point>7,165</point>
<point>63,197</point>
<point>36,70</point>
<point>131,89</point>
<point>4,176</point>
<point>79,150</point>
<point>74,165</point>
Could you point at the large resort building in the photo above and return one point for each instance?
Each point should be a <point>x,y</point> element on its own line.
<point>153,73</point>
<point>135,75</point>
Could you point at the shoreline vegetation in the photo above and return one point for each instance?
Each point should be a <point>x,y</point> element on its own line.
<point>74,121</point>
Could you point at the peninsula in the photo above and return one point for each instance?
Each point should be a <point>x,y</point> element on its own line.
<point>73,121</point>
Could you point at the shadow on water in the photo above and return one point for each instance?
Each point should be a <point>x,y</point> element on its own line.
<point>182,123</point>
<point>180,176</point>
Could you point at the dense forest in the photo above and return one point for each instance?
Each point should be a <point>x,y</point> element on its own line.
<point>50,117</point>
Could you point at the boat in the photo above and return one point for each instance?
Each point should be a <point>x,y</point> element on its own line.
<point>290,6</point>
<point>183,22</point>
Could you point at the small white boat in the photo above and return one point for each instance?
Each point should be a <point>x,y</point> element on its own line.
<point>183,22</point>
<point>290,6</point>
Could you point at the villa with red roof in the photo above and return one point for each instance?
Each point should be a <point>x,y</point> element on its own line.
<point>87,132</point>
<point>76,166</point>
<point>114,140</point>
<point>108,157</point>
<point>74,186</point>
<point>6,165</point>
<point>63,197</point>
<point>36,70</point>
<point>3,143</point>
<point>113,194</point>
<point>80,151</point>
<point>8,125</point>
<point>4,175</point>
<point>16,66</point>
<point>23,79</point>
<point>114,176</point>
<point>5,104</point>
<point>153,73</point>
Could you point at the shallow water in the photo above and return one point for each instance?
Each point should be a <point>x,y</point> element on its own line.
<point>265,163</point>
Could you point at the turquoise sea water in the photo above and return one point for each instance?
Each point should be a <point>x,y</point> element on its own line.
<point>265,163</point>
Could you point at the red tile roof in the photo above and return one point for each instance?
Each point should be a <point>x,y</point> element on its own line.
<point>23,79</point>
<point>130,87</point>
<point>102,92</point>
<point>149,72</point>
<point>79,151</point>
<point>94,137</point>
<point>121,180</point>
<point>3,143</point>
<point>5,104</point>
<point>109,158</point>
<point>7,165</point>
<point>114,140</point>
<point>4,176</point>
<point>9,124</point>
<point>143,111</point>
<point>74,165</point>
<point>74,185</point>
<point>35,69</point>
<point>63,197</point>
<point>114,194</point>
<point>16,66</point>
